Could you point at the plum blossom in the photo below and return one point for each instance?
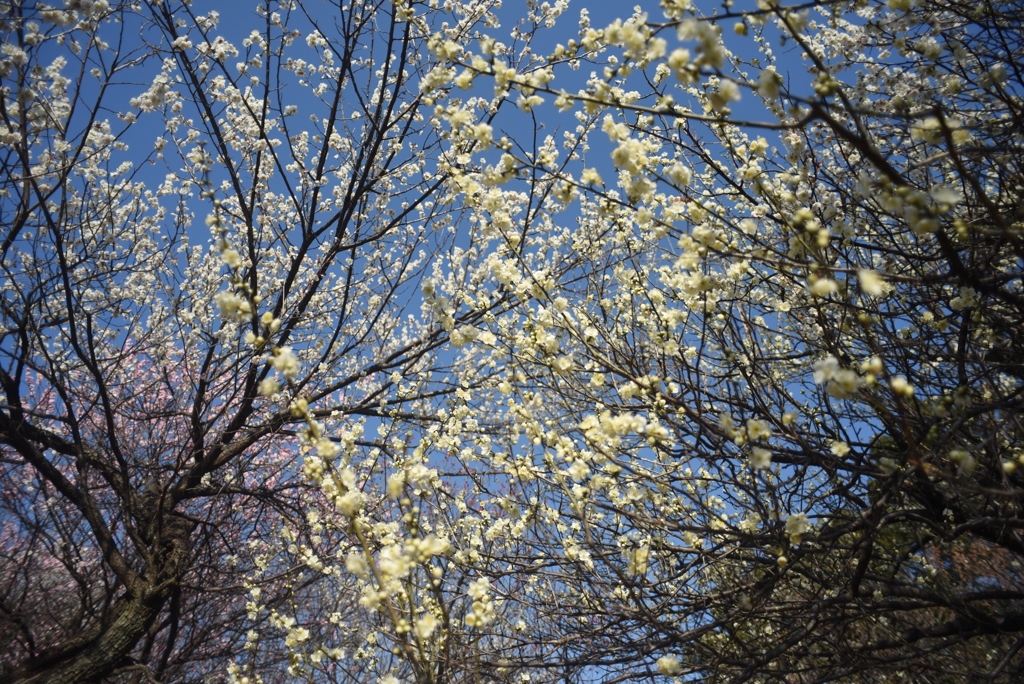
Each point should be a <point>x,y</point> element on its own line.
<point>760,459</point>
<point>797,525</point>
<point>840,383</point>
<point>285,362</point>
<point>669,665</point>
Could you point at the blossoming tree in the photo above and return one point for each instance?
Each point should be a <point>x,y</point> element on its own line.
<point>167,379</point>
<point>784,396</point>
<point>752,435</point>
<point>678,345</point>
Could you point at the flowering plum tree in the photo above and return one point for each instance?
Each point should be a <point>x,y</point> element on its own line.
<point>751,436</point>
<point>156,370</point>
<point>637,351</point>
<point>782,398</point>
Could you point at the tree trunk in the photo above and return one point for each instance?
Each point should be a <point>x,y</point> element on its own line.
<point>105,653</point>
<point>110,645</point>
